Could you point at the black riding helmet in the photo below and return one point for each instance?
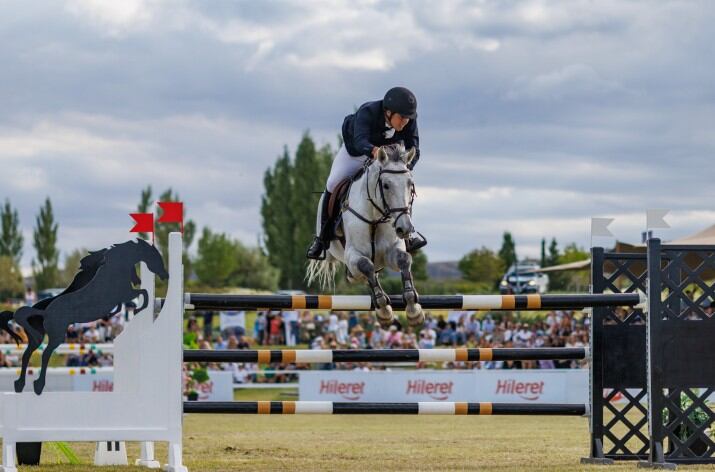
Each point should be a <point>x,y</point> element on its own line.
<point>401,100</point>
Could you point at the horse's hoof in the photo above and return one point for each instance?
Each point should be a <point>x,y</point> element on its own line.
<point>382,302</point>
<point>415,316</point>
<point>19,385</point>
<point>385,317</point>
<point>38,386</point>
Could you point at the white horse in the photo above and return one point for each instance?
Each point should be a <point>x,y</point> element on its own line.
<point>376,218</point>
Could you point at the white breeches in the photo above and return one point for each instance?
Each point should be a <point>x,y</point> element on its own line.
<point>344,166</point>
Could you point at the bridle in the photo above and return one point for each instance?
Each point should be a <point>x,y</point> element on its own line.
<point>386,211</point>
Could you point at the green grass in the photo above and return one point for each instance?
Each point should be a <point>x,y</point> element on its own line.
<point>366,443</point>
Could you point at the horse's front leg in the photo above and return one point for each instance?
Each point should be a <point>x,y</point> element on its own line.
<point>145,299</point>
<point>383,310</point>
<point>402,261</point>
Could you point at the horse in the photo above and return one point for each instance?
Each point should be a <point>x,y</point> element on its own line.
<point>104,283</point>
<point>376,219</point>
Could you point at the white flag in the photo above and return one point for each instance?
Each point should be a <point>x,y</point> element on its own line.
<point>654,219</point>
<point>599,227</point>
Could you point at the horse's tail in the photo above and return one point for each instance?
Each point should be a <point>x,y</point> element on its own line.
<point>5,318</point>
<point>323,272</point>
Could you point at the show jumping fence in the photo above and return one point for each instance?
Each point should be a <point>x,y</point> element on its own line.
<point>326,356</point>
<point>660,351</point>
<point>618,353</point>
<point>203,301</point>
<point>368,408</point>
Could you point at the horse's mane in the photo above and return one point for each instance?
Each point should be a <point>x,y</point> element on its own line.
<point>394,151</point>
<point>89,265</point>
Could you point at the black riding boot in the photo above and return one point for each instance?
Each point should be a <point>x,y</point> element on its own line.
<point>320,244</point>
<point>414,242</point>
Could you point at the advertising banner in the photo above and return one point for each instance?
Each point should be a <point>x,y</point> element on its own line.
<point>504,386</point>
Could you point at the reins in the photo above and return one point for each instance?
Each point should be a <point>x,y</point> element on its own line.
<point>385,211</point>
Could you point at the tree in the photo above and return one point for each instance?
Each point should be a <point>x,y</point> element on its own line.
<point>288,208</point>
<point>543,252</point>
<point>144,206</point>
<point>482,265</point>
<point>44,238</point>
<point>279,219</point>
<point>222,262</point>
<point>507,253</point>
<point>11,282</point>
<point>419,265</point>
<point>557,280</point>
<point>573,253</point>
<point>11,239</point>
<point>215,260</point>
<point>574,280</point>
<point>71,266</point>
<point>553,257</point>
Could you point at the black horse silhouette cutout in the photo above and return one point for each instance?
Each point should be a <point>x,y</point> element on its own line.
<point>105,281</point>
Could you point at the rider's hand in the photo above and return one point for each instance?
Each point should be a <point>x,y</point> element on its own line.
<point>375,150</point>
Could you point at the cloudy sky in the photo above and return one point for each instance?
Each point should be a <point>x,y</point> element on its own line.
<point>534,115</point>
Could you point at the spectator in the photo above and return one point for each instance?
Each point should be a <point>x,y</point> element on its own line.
<point>232,323</point>
<point>259,328</point>
<point>276,330</point>
<point>290,320</point>
<point>342,332</point>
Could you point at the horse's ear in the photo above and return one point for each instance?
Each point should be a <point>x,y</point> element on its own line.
<point>410,155</point>
<point>382,155</point>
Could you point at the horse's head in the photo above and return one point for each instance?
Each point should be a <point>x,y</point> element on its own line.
<point>394,188</point>
<point>151,256</point>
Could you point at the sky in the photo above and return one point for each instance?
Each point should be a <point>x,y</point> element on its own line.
<point>534,116</point>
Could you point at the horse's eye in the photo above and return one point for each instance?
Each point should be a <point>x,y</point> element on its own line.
<point>386,186</point>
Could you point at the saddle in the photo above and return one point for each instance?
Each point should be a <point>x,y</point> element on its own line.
<point>335,206</point>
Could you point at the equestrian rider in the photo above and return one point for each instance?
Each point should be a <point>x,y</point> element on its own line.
<point>387,121</point>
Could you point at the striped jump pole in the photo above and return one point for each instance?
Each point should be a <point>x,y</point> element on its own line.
<point>366,408</point>
<point>204,301</point>
<point>320,356</point>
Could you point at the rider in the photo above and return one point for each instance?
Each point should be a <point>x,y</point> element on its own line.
<point>374,124</point>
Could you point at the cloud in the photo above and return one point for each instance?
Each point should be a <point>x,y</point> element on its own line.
<point>534,115</point>
<point>572,81</point>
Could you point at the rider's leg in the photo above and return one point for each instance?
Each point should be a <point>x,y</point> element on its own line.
<point>320,243</point>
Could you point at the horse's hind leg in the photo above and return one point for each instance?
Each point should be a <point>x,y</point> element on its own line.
<point>32,324</point>
<point>56,335</point>
<point>383,310</point>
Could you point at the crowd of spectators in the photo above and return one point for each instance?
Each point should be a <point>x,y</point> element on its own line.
<point>359,330</point>
<point>344,330</point>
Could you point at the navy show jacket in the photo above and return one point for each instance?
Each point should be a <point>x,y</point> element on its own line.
<point>366,129</point>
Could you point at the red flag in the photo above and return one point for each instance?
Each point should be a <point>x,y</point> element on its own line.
<point>173,212</point>
<point>144,223</point>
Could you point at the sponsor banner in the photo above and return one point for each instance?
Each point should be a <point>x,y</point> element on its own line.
<point>100,382</point>
<point>504,386</point>
<point>219,388</point>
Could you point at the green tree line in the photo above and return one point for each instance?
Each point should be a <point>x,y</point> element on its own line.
<point>292,186</point>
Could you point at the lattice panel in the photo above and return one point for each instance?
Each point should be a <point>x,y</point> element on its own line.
<point>688,420</point>
<point>626,433</point>
<point>685,292</point>
<point>626,276</point>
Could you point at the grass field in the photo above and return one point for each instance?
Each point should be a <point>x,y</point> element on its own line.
<point>367,443</point>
